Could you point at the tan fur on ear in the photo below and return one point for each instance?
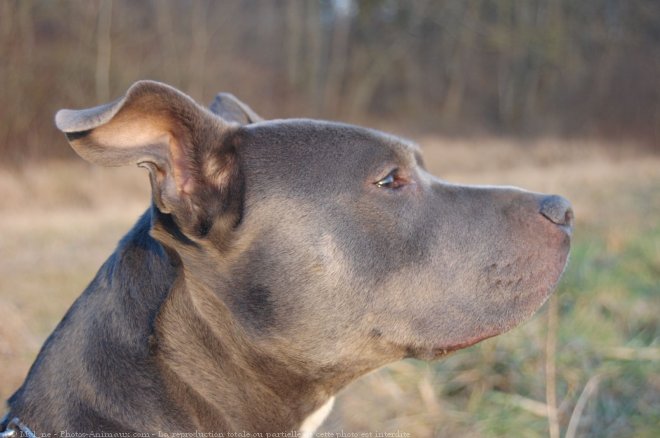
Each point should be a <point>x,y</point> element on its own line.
<point>145,122</point>
<point>161,129</point>
<point>145,95</point>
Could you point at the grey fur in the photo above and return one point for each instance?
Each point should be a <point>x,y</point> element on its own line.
<point>272,270</point>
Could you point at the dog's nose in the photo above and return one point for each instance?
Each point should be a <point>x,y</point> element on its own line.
<point>557,209</point>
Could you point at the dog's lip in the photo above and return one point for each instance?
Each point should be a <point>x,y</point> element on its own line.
<point>439,352</point>
<point>529,302</point>
<point>434,353</point>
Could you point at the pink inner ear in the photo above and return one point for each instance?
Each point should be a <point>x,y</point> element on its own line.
<point>156,124</point>
<point>180,167</point>
<point>154,137</point>
<point>128,130</point>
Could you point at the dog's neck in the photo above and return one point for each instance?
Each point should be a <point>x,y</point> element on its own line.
<point>184,358</point>
<point>219,376</point>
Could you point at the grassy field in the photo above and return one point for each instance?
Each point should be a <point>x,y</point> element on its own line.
<point>593,351</point>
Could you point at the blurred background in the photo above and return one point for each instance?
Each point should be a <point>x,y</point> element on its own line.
<point>558,96</point>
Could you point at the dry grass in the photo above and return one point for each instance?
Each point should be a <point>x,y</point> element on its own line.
<point>59,221</point>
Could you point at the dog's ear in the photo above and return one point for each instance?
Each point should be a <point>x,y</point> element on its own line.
<point>231,109</point>
<point>193,167</point>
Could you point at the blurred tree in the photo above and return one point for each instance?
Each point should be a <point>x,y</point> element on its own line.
<point>534,67</point>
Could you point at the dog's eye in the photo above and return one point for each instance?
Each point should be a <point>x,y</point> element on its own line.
<point>391,181</point>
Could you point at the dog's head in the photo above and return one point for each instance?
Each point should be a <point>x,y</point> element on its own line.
<point>329,244</point>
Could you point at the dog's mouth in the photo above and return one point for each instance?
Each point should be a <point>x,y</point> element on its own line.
<point>435,340</point>
<point>436,353</point>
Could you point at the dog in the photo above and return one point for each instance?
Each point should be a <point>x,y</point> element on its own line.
<point>279,261</point>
